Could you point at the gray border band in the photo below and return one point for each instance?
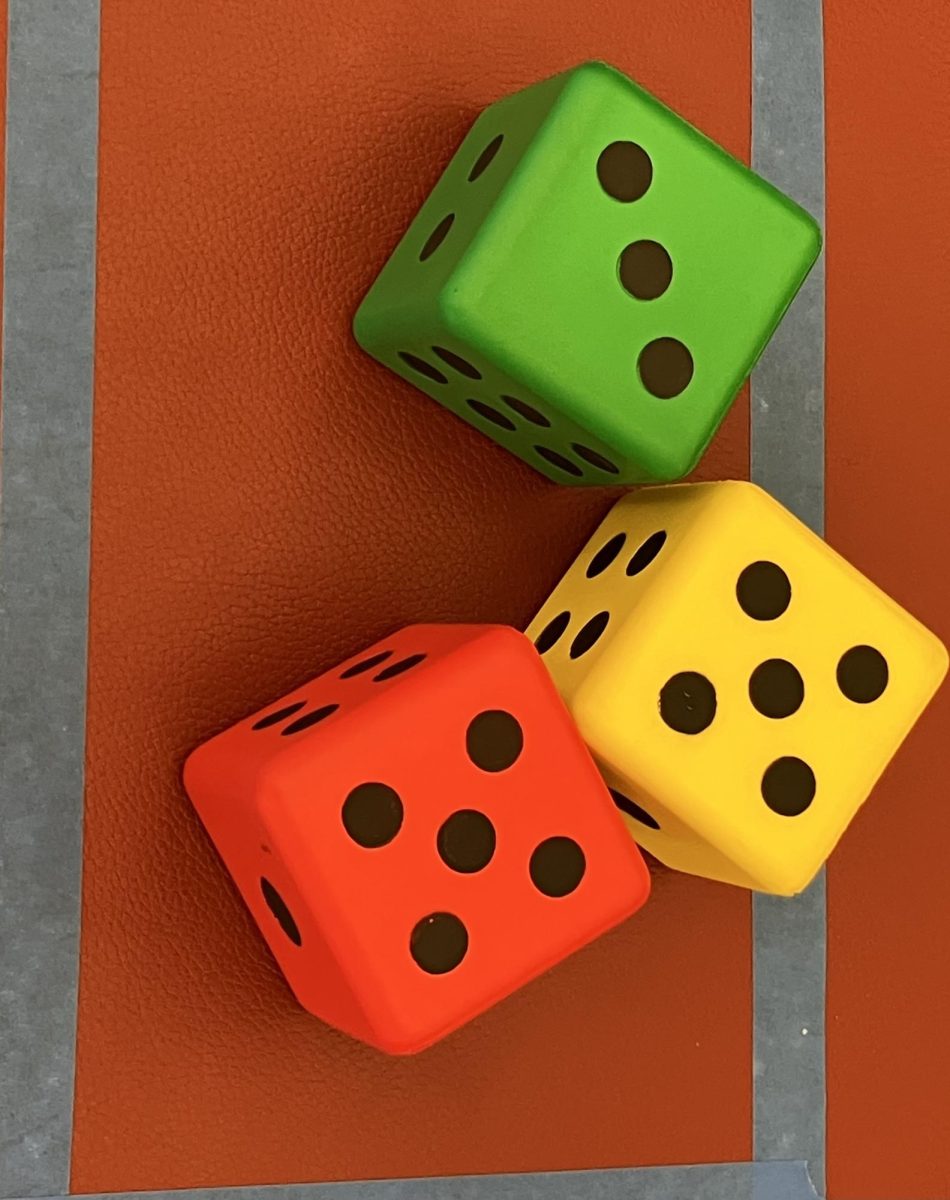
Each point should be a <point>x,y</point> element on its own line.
<point>52,103</point>
<point>52,127</point>
<point>788,459</point>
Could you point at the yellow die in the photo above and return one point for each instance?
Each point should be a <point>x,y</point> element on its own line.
<point>741,686</point>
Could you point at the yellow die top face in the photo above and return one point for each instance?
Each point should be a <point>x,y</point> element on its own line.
<point>762,687</point>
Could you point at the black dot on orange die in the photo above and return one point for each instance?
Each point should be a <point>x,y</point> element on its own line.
<point>421,367</point>
<point>788,786</point>
<point>763,591</point>
<point>436,237</point>
<point>397,668</point>
<point>588,634</point>
<point>646,552</point>
<point>688,702</point>
<point>632,809</point>
<point>862,674</point>
<point>625,171</point>
<point>666,367</point>
<point>776,688</point>
<point>492,414</point>
<point>559,461</point>
<point>494,740</point>
<point>308,720</point>
<point>526,410</point>
<point>606,555</point>
<point>645,269</point>
<point>372,815</point>
<point>366,664</point>
<point>438,943</point>
<point>552,632</point>
<point>557,866</point>
<point>281,714</point>
<point>466,841</point>
<point>281,912</point>
<point>595,459</point>
<point>457,362</point>
<point>486,157</point>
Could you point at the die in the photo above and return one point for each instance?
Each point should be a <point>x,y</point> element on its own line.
<point>418,832</point>
<point>741,685</point>
<point>590,281</point>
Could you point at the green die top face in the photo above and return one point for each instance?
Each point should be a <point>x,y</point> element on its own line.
<point>608,270</point>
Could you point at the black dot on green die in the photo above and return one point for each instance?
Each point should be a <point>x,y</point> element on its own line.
<point>556,459</point>
<point>526,410</point>
<point>489,413</point>
<point>788,786</point>
<point>494,740</point>
<point>372,815</point>
<point>776,688</point>
<point>436,237</point>
<point>557,866</point>
<point>438,943</point>
<point>688,702</point>
<point>625,171</point>
<point>421,367</point>
<point>466,841</point>
<point>486,157</point>
<point>280,911</point>
<point>595,459</point>
<point>457,362</point>
<point>763,590</point>
<point>862,674</point>
<point>665,367</point>
<point>645,269</point>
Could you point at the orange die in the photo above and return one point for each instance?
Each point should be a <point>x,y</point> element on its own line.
<point>419,832</point>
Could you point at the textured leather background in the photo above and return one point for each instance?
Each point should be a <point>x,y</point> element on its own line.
<point>266,501</point>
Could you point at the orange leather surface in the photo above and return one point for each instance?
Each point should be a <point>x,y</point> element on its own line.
<point>888,500</point>
<point>267,500</point>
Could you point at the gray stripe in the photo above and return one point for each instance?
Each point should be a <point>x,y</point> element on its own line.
<point>728,1181</point>
<point>52,98</point>
<point>788,451</point>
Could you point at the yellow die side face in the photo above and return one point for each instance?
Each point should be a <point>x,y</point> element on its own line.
<point>750,780</point>
<point>615,574</point>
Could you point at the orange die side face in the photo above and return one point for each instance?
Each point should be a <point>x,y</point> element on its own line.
<point>439,842</point>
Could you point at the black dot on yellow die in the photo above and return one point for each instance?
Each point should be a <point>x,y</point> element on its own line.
<point>688,702</point>
<point>788,786</point>
<point>589,634</point>
<point>466,841</point>
<point>494,740</point>
<point>366,664</point>
<point>308,720</point>
<point>645,269</point>
<point>436,237</point>
<point>646,552</point>
<point>552,632</point>
<point>596,459</point>
<point>457,362</point>
<point>526,410</point>
<point>625,171</point>
<point>776,688</point>
<point>763,590</point>
<point>492,414</point>
<point>372,815</point>
<point>421,367</point>
<point>665,366</point>
<point>486,157</point>
<point>862,674</point>
<point>282,914</point>
<point>632,809</point>
<point>281,714</point>
<point>438,943</point>
<point>606,555</point>
<point>557,866</point>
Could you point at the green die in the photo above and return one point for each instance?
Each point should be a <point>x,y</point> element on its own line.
<point>590,281</point>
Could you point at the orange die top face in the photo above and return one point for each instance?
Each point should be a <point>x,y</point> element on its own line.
<point>442,842</point>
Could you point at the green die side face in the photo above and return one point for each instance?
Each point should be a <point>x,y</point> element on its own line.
<point>605,286</point>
